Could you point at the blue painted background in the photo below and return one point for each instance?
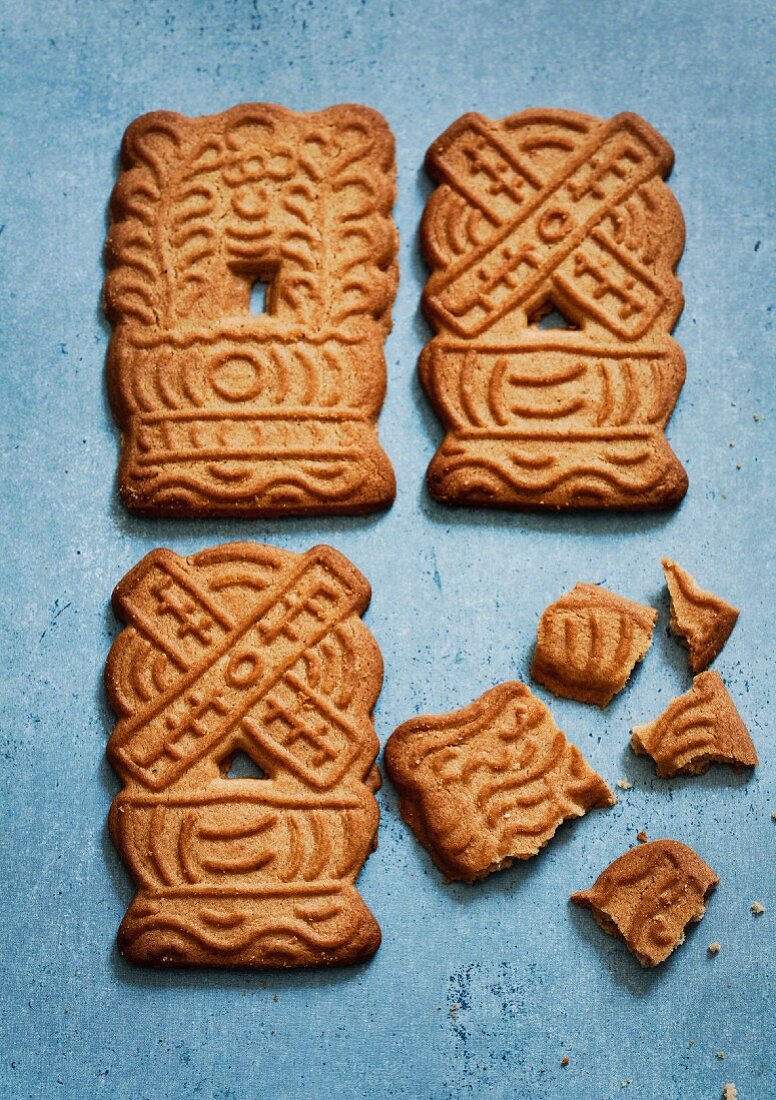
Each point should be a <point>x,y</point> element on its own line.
<point>456,594</point>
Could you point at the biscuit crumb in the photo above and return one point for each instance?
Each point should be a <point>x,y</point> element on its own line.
<point>690,1042</point>
<point>757,908</point>
<point>714,947</point>
<point>738,466</point>
<point>275,998</point>
<point>721,1055</point>
<point>756,418</point>
<point>564,1060</point>
<point>624,783</point>
<point>454,1011</point>
<point>642,837</point>
<point>730,1092</point>
<point>624,1084</point>
<point>773,815</point>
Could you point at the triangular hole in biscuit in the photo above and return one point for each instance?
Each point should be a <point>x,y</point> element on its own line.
<point>242,766</point>
<point>548,316</point>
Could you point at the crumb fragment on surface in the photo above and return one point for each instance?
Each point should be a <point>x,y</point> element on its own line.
<point>730,1092</point>
<point>642,837</point>
<point>714,947</point>
<point>721,1055</point>
<point>624,783</point>
<point>757,908</point>
<point>649,895</point>
<point>565,1060</point>
<point>472,802</point>
<point>697,729</point>
<point>588,643</point>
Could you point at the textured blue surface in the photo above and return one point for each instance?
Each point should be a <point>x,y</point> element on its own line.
<point>456,595</point>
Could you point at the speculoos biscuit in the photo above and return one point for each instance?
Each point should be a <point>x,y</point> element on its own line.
<point>698,729</point>
<point>486,785</point>
<point>588,643</point>
<point>224,410</point>
<point>702,620</point>
<point>649,895</point>
<point>244,649</point>
<point>553,210</point>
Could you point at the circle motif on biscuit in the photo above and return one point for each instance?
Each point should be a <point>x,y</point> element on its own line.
<point>237,378</point>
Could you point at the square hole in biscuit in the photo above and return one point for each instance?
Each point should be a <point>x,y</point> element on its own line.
<point>259,296</point>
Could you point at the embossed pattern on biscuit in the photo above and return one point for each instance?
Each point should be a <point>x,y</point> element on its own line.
<point>649,895</point>
<point>553,209</point>
<point>701,619</point>
<point>588,643</point>
<point>244,649</point>
<point>223,410</point>
<point>701,728</point>
<point>490,783</point>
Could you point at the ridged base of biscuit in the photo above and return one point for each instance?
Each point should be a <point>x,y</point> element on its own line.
<point>191,497</point>
<point>454,480</point>
<point>200,934</point>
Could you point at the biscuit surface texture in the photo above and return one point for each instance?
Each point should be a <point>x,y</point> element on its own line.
<point>244,649</point>
<point>700,728</point>
<point>649,895</point>
<point>588,642</point>
<point>490,783</point>
<point>543,210</point>
<point>224,410</point>
<point>701,619</point>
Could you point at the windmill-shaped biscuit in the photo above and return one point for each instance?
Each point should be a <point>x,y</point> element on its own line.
<point>544,209</point>
<point>491,783</point>
<point>698,729</point>
<point>244,648</point>
<point>228,411</point>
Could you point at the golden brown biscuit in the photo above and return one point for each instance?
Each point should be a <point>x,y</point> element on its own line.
<point>544,210</point>
<point>698,729</point>
<point>649,895</point>
<point>222,410</point>
<point>244,649</point>
<point>588,642</point>
<point>701,619</point>
<point>490,783</point>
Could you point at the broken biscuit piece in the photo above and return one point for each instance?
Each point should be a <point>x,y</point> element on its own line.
<point>490,783</point>
<point>699,728</point>
<point>702,620</point>
<point>588,642</point>
<point>649,895</point>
